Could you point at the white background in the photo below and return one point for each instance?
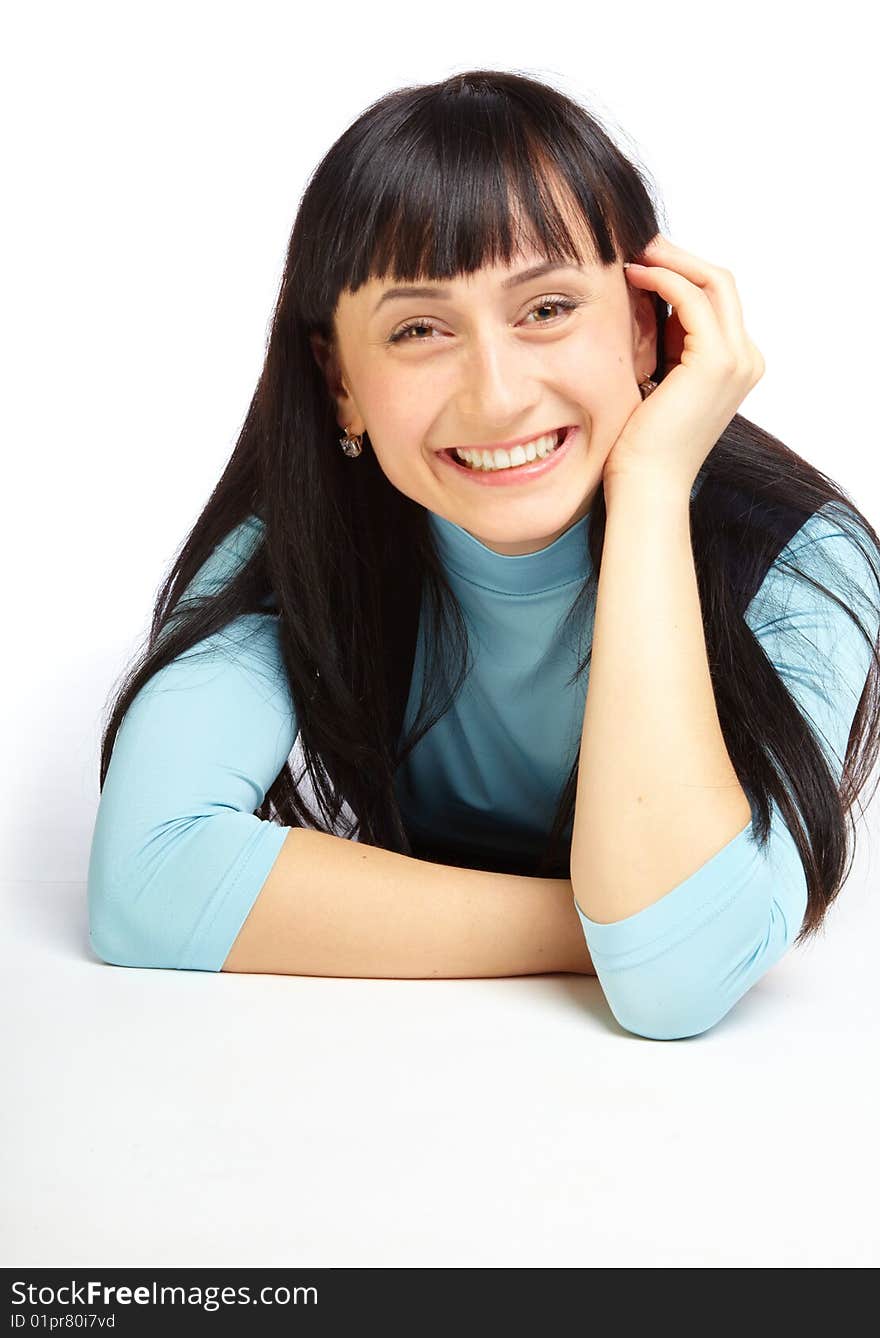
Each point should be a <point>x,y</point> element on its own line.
<point>154,160</point>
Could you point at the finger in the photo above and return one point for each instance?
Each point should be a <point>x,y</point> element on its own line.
<point>718,283</point>
<point>696,313</point>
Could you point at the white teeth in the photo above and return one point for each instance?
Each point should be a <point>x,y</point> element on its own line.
<point>519,455</point>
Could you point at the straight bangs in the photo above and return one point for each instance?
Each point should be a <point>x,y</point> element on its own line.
<point>448,190</point>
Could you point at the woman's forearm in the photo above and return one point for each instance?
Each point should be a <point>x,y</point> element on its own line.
<point>334,907</point>
<point>657,794</point>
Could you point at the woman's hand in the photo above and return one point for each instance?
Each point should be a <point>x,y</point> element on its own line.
<point>713,363</point>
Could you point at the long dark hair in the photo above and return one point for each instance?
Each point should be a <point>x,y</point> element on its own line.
<point>421,186</point>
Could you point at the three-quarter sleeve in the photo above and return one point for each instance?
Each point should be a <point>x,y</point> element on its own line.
<point>676,967</point>
<point>178,856</point>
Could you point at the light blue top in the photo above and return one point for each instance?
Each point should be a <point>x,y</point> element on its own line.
<point>178,856</point>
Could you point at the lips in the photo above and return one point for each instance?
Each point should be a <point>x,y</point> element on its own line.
<point>506,445</point>
<point>517,475</point>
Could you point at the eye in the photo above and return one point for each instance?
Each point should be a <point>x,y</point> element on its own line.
<point>564,303</point>
<point>401,335</point>
<point>405,329</point>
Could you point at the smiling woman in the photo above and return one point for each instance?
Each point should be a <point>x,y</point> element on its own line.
<point>487,363</point>
<point>416,611</point>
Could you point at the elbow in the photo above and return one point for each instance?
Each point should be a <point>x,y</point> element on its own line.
<point>112,944</point>
<point>127,892</point>
<point>665,1017</point>
<point>120,936</point>
<point>688,988</point>
<point>176,897</point>
<point>131,904</point>
<point>679,966</point>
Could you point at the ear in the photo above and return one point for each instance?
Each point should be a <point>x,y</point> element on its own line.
<point>321,351</point>
<point>644,331</point>
<point>327,358</point>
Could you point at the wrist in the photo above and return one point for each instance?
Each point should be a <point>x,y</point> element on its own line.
<point>657,487</point>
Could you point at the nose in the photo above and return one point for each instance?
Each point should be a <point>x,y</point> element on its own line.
<point>496,395</point>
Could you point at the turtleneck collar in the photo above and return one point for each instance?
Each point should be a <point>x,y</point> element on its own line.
<point>566,559</point>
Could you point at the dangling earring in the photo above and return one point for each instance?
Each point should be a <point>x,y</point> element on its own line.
<point>351,443</point>
<point>646,386</point>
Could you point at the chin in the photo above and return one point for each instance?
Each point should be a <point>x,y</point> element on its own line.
<point>509,514</point>
<point>529,526</point>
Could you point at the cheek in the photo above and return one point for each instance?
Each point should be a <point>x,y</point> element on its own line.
<point>400,452</point>
<point>601,385</point>
<point>399,408</point>
<point>403,421</point>
<point>401,462</point>
<point>595,368</point>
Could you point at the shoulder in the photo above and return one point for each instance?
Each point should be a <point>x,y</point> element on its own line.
<point>242,541</point>
<point>249,643</point>
<point>829,549</point>
<point>227,558</point>
<point>816,617</point>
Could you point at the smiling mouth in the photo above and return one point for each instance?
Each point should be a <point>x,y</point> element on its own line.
<point>488,460</point>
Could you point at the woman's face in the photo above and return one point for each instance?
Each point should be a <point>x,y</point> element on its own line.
<point>482,361</point>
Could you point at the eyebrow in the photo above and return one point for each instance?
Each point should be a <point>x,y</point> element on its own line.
<point>524,276</point>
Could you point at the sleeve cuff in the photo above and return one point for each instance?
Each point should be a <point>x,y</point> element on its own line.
<point>703,896</point>
<point>225,914</point>
<point>678,965</point>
